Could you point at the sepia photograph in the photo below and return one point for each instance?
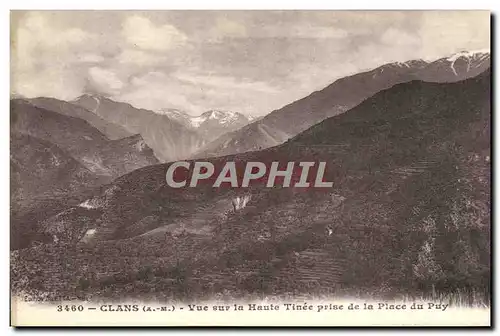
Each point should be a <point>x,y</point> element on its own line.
<point>250,167</point>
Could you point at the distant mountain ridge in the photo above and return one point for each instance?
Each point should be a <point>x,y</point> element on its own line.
<point>210,124</point>
<point>81,140</point>
<point>173,134</point>
<point>340,96</point>
<point>38,166</point>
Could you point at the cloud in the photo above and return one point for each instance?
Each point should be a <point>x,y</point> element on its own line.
<point>155,90</point>
<point>317,32</point>
<point>49,82</point>
<point>226,28</point>
<point>104,81</point>
<point>47,61</point>
<point>90,58</point>
<point>139,57</point>
<point>142,33</point>
<point>447,32</point>
<point>197,93</point>
<point>35,36</point>
<point>42,33</point>
<point>223,82</point>
<point>303,31</point>
<point>393,36</point>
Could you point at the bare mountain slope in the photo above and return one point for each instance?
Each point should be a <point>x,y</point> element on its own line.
<point>44,179</point>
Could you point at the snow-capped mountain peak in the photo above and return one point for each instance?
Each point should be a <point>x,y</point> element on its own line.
<point>464,61</point>
<point>212,116</point>
<point>90,101</point>
<point>209,124</point>
<point>469,54</point>
<point>177,115</point>
<point>172,112</point>
<point>418,63</point>
<point>223,117</point>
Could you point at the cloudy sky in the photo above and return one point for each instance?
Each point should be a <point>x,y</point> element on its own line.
<point>247,61</point>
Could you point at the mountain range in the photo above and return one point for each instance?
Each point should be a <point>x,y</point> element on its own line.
<point>169,139</point>
<point>81,140</point>
<point>210,124</point>
<point>342,95</point>
<point>173,134</point>
<point>160,129</point>
<point>410,167</point>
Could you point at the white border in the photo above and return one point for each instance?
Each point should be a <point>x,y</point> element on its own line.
<point>184,4</point>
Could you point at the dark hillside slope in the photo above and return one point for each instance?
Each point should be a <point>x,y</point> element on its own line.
<point>44,180</point>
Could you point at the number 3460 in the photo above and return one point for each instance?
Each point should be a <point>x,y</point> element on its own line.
<point>69,308</point>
